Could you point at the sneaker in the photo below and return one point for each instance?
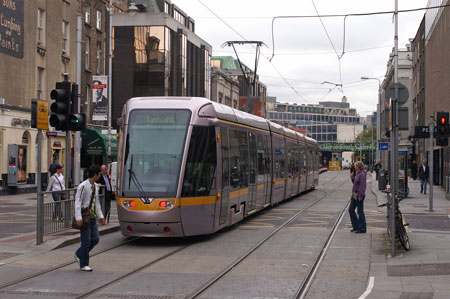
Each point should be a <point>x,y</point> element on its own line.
<point>77,258</point>
<point>86,268</point>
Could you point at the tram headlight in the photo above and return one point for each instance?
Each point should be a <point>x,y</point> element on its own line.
<point>166,204</point>
<point>129,203</point>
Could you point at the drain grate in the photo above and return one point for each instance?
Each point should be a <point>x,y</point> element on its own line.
<point>416,295</point>
<point>39,293</point>
<point>115,296</point>
<point>419,270</point>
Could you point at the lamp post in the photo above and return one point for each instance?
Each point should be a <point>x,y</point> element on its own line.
<point>377,154</point>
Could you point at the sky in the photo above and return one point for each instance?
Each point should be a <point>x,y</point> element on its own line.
<point>305,55</point>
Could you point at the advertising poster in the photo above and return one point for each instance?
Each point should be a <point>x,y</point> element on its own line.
<point>99,98</point>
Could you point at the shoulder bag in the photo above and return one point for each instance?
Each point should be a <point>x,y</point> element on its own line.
<point>85,214</point>
<point>63,195</point>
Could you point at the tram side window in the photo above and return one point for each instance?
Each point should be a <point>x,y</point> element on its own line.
<point>225,159</point>
<point>200,163</point>
<point>238,159</point>
<point>253,162</point>
<point>279,154</point>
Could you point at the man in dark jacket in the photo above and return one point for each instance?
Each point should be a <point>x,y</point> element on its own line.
<point>424,174</point>
<point>104,180</point>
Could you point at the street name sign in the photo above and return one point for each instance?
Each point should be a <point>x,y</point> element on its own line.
<point>423,132</point>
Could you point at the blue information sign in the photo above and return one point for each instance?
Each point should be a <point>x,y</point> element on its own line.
<point>383,146</point>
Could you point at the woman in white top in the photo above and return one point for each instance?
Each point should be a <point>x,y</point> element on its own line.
<point>57,184</point>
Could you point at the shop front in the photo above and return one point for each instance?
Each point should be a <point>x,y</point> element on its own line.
<point>94,148</point>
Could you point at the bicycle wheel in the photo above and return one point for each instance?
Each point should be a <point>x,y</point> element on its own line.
<point>401,232</point>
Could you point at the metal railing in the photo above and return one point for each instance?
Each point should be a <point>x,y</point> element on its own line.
<point>58,214</point>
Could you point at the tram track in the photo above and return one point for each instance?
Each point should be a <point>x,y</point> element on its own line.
<point>311,273</point>
<point>62,265</point>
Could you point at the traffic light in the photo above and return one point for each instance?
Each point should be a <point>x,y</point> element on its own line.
<point>442,129</point>
<point>61,107</point>
<point>76,121</point>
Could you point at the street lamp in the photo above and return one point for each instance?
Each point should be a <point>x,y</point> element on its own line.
<point>378,115</point>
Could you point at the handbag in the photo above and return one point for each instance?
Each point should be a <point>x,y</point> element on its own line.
<point>63,195</point>
<point>85,214</point>
<point>355,195</point>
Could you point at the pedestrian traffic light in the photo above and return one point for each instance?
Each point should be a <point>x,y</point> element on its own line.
<point>61,107</point>
<point>442,129</point>
<point>76,121</point>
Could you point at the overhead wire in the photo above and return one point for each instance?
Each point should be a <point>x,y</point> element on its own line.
<point>332,45</point>
<point>275,68</point>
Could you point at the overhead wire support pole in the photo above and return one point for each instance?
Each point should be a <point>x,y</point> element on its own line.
<point>394,136</point>
<point>250,82</point>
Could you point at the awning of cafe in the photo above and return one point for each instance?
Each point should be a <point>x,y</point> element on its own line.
<point>95,142</point>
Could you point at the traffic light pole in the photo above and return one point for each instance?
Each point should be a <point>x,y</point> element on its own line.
<point>430,163</point>
<point>40,198</point>
<point>77,139</point>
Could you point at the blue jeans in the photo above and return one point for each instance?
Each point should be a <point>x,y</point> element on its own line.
<point>89,238</point>
<point>423,185</point>
<point>358,222</point>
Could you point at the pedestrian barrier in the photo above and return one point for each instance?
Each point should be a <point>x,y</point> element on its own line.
<point>58,214</point>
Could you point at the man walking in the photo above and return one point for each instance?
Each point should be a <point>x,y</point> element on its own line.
<point>106,181</point>
<point>424,174</point>
<point>87,191</point>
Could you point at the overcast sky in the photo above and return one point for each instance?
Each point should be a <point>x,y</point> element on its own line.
<point>304,55</point>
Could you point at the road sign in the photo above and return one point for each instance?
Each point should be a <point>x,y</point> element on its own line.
<point>383,146</point>
<point>403,93</point>
<point>423,132</point>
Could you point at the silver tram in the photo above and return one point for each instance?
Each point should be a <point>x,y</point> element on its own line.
<point>189,166</point>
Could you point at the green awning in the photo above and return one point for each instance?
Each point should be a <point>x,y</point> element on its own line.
<point>95,143</point>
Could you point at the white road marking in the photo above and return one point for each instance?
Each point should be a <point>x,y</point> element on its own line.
<point>369,288</point>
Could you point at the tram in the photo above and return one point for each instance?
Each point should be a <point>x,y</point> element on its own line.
<point>188,166</point>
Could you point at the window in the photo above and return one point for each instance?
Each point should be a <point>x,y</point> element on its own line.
<point>200,162</point>
<point>155,164</point>
<point>65,37</point>
<point>179,17</point>
<point>99,58</point>
<point>88,95</point>
<point>99,20</point>
<point>87,15</point>
<point>40,76</point>
<point>41,27</point>
<point>86,52</point>
<point>166,7</point>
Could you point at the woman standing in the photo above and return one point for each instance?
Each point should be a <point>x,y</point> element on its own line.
<point>357,201</point>
<point>57,184</point>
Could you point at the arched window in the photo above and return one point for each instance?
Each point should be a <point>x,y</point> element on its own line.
<point>25,137</point>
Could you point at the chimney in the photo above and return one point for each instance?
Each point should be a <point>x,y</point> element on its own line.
<point>344,99</point>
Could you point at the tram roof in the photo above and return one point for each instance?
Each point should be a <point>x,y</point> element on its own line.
<point>222,111</point>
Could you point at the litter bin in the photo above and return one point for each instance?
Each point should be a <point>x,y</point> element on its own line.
<point>381,180</point>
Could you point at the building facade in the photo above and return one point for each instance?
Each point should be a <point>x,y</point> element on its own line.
<point>252,92</point>
<point>322,121</point>
<point>224,88</point>
<point>157,53</point>
<point>405,108</point>
<point>37,48</point>
<point>437,75</point>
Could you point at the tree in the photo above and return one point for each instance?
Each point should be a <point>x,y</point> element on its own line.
<point>368,135</point>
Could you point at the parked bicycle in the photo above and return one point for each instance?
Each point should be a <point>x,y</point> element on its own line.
<point>400,230</point>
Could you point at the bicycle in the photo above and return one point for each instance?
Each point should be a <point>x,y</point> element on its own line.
<point>400,230</point>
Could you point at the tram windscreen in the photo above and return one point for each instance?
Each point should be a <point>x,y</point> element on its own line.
<point>154,149</point>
